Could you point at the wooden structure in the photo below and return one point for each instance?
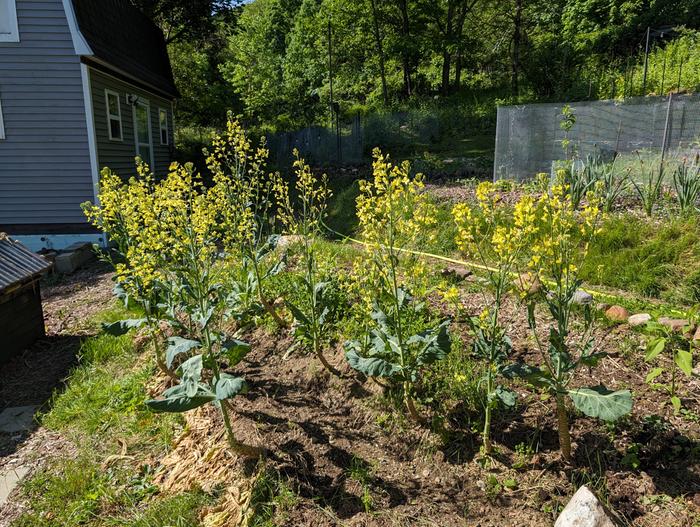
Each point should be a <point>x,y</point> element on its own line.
<point>21,315</point>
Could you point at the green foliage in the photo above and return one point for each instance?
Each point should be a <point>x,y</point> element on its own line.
<point>654,259</point>
<point>399,358</point>
<point>680,347</point>
<point>649,188</point>
<point>686,182</point>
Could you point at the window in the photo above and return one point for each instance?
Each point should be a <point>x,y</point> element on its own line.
<point>114,115</point>
<point>9,32</point>
<point>163,121</point>
<point>2,124</point>
<point>142,131</point>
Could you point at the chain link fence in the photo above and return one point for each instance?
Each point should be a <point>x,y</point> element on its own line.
<point>531,138</point>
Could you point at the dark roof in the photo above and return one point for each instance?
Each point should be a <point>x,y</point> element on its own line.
<point>124,38</point>
<point>17,263</point>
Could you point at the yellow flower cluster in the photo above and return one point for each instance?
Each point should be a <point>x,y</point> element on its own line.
<point>491,233</point>
<point>394,213</point>
<point>155,224</point>
<point>564,235</point>
<point>244,191</point>
<point>312,198</point>
<point>392,208</point>
<point>547,235</point>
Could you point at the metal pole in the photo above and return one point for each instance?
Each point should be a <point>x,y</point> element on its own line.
<point>646,63</point>
<point>666,126</point>
<point>330,69</point>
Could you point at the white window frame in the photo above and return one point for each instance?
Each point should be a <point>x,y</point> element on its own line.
<point>147,104</point>
<point>162,129</point>
<point>2,124</point>
<point>111,116</point>
<point>13,35</point>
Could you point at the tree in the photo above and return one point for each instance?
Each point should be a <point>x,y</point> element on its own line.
<point>185,19</point>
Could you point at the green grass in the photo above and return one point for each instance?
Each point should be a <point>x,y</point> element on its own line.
<point>101,409</point>
<point>656,259</point>
<point>271,498</point>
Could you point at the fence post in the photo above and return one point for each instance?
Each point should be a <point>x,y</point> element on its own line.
<point>666,126</point>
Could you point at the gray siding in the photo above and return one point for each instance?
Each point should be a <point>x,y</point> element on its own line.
<point>45,168</point>
<point>119,155</point>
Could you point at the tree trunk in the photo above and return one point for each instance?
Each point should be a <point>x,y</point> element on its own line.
<point>380,51</point>
<point>406,56</point>
<point>516,46</point>
<point>446,65</point>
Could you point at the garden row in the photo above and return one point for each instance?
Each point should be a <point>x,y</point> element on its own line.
<point>198,261</point>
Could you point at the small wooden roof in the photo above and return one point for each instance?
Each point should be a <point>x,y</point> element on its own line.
<point>18,264</point>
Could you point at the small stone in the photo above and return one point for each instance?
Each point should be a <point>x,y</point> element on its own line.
<point>456,273</point>
<point>617,314</point>
<point>584,510</point>
<point>696,336</point>
<point>674,324</point>
<point>639,319</point>
<point>17,419</point>
<point>426,472</point>
<point>582,298</point>
<point>9,480</point>
<point>602,306</point>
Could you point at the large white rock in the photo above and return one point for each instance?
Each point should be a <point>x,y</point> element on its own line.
<point>584,510</point>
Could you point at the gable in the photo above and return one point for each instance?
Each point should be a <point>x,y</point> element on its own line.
<point>125,40</point>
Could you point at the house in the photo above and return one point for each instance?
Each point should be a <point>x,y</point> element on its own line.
<point>84,84</point>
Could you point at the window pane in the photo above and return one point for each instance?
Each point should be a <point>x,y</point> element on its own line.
<point>164,136</point>
<point>163,119</point>
<point>145,153</point>
<point>115,128</point>
<point>112,103</point>
<point>6,16</point>
<point>142,123</point>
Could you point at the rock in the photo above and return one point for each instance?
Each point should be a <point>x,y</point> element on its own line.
<point>529,284</point>
<point>456,273</point>
<point>617,314</point>
<point>17,419</point>
<point>584,510</point>
<point>696,336</point>
<point>289,239</point>
<point>676,324</point>
<point>582,298</point>
<point>639,319</point>
<point>602,306</point>
<point>9,480</point>
<point>73,257</point>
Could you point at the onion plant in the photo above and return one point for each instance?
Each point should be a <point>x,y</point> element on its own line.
<point>649,188</point>
<point>686,183</point>
<point>393,211</point>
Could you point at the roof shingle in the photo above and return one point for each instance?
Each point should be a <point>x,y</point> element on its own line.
<point>126,39</point>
